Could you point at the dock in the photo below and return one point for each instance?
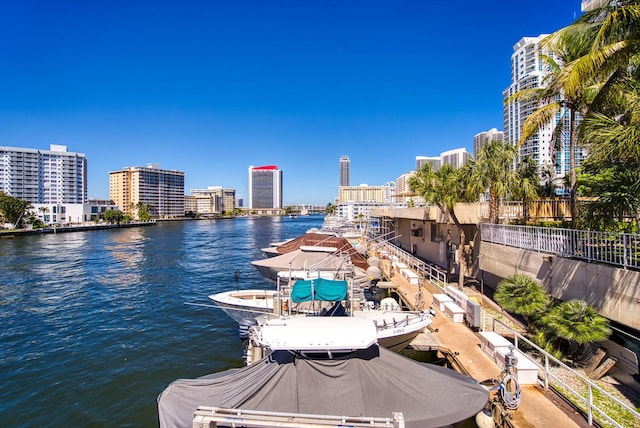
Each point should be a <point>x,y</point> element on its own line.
<point>538,407</point>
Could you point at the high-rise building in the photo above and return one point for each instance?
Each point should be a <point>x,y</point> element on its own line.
<point>345,171</point>
<point>434,161</point>
<point>162,190</point>
<point>485,137</point>
<point>54,176</point>
<point>528,71</point>
<point>265,187</point>
<point>456,157</point>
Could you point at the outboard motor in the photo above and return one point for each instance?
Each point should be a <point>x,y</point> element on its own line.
<point>245,326</point>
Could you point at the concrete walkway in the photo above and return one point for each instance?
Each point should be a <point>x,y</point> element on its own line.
<point>538,407</point>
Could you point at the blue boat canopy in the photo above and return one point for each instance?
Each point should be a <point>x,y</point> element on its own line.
<point>328,290</point>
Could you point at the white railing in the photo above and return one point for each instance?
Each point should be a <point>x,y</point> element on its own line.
<point>619,249</point>
<point>434,274</point>
<point>587,401</point>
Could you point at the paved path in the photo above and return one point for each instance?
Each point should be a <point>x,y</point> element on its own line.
<point>538,408</point>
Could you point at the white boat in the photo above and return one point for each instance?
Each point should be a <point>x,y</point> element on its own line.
<point>243,304</point>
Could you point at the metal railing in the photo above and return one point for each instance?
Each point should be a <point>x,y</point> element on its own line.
<point>589,401</point>
<point>619,249</point>
<point>434,274</point>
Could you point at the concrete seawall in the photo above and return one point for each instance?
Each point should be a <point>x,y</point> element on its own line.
<point>614,292</point>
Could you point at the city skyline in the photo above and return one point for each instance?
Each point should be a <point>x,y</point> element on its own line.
<point>209,88</point>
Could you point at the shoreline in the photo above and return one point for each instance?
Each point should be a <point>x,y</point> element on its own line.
<point>12,233</point>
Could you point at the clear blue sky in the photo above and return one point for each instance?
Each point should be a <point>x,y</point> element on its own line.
<point>211,87</point>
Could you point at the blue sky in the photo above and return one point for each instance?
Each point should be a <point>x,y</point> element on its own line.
<point>211,87</point>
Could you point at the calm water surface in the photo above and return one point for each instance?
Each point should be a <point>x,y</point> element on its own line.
<point>95,324</point>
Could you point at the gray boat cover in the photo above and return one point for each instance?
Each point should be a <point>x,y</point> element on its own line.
<point>374,382</point>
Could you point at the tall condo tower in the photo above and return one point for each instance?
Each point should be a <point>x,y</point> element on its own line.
<point>265,187</point>
<point>53,176</point>
<point>528,70</point>
<point>482,138</point>
<point>345,171</point>
<point>162,190</point>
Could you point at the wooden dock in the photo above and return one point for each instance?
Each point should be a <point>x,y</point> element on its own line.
<point>461,345</point>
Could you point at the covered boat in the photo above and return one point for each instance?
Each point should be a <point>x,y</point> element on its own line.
<point>371,382</point>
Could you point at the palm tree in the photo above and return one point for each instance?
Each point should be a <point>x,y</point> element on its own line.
<point>444,188</point>
<point>575,323</point>
<point>560,96</point>
<point>522,295</point>
<point>549,180</point>
<point>492,170</point>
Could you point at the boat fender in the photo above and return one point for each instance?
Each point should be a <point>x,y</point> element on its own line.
<point>245,326</point>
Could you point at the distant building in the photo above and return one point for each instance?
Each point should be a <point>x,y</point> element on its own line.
<point>265,187</point>
<point>162,190</point>
<point>485,137</point>
<point>212,200</point>
<point>434,161</point>
<point>54,176</point>
<point>345,171</point>
<point>456,157</point>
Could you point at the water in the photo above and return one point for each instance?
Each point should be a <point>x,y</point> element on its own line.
<point>95,324</point>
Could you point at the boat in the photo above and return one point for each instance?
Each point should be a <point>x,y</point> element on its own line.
<point>308,250</point>
<point>251,303</point>
<point>330,298</point>
<point>323,372</point>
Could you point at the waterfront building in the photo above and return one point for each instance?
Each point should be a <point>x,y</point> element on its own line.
<point>434,161</point>
<point>482,138</point>
<point>528,71</point>
<point>345,171</point>
<point>265,187</point>
<point>162,190</point>
<point>49,177</point>
<point>456,157</point>
<point>212,200</point>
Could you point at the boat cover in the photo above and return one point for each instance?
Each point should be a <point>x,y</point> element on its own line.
<point>374,382</point>
<point>324,240</point>
<point>328,290</point>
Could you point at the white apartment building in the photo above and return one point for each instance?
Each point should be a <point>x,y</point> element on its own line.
<point>528,70</point>
<point>54,176</point>
<point>482,138</point>
<point>434,161</point>
<point>456,157</point>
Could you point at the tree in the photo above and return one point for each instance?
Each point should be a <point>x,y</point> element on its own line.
<point>444,188</point>
<point>522,295</point>
<point>143,211</point>
<point>561,96</point>
<point>573,324</point>
<point>13,209</point>
<point>492,170</point>
<point>113,216</point>
<point>330,208</point>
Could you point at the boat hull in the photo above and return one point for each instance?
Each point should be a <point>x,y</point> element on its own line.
<point>245,304</point>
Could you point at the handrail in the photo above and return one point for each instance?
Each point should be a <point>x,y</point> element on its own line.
<point>588,401</point>
<point>619,249</point>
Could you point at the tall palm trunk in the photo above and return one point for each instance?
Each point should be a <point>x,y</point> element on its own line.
<point>573,136</point>
<point>494,206</point>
